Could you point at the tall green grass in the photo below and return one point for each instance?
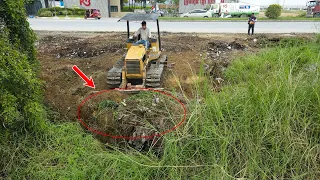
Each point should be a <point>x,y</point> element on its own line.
<point>264,124</point>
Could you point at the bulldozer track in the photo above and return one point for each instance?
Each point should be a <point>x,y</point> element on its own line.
<point>155,71</point>
<point>114,74</point>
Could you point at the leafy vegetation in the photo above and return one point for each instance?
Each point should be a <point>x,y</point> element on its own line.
<point>264,124</point>
<point>20,108</point>
<point>107,104</point>
<point>274,11</point>
<point>45,14</point>
<point>60,11</point>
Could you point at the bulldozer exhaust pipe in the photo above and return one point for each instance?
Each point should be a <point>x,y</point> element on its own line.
<point>128,29</point>
<point>159,35</point>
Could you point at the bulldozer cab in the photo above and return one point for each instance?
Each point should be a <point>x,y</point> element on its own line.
<point>155,43</point>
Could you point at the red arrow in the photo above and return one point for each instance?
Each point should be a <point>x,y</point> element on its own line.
<point>89,82</point>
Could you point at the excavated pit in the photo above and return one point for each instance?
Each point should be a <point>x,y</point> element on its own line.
<point>133,121</point>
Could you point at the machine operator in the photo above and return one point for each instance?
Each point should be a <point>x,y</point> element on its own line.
<point>145,35</point>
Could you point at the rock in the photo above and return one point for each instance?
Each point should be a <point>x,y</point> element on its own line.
<point>206,66</point>
<point>156,99</point>
<point>124,103</point>
<point>219,80</point>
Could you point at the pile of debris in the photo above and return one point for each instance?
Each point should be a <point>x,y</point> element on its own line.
<point>219,55</point>
<point>142,115</point>
<point>76,47</point>
<point>218,49</point>
<point>87,50</point>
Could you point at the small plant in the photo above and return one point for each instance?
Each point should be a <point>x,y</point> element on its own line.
<point>302,15</point>
<point>108,104</point>
<point>274,11</point>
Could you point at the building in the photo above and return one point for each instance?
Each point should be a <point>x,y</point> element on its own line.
<point>188,5</point>
<point>108,8</point>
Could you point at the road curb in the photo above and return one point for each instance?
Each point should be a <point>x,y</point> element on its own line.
<point>162,20</point>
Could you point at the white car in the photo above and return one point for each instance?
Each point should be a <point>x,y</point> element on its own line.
<point>197,13</point>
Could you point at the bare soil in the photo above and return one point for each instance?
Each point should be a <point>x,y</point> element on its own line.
<point>95,54</point>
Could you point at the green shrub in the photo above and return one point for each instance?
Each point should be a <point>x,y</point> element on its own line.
<point>131,9</point>
<point>21,107</point>
<point>302,15</point>
<point>127,9</point>
<point>61,11</point>
<point>65,12</point>
<point>45,14</point>
<point>79,12</point>
<point>42,10</point>
<point>57,9</point>
<point>273,11</point>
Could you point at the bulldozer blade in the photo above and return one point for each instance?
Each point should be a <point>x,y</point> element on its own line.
<point>137,90</point>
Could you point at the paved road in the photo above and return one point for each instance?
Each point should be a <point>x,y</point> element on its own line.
<point>200,27</point>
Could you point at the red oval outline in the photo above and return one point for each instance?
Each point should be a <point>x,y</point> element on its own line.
<point>131,137</point>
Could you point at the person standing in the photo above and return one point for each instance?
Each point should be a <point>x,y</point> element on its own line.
<point>251,21</point>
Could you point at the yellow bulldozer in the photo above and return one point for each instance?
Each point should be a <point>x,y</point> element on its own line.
<point>140,67</point>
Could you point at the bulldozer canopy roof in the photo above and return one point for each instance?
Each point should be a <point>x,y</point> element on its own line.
<point>139,17</point>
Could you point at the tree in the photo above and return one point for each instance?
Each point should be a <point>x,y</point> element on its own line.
<point>121,4</point>
<point>144,3</point>
<point>175,2</point>
<point>21,107</point>
<point>274,11</point>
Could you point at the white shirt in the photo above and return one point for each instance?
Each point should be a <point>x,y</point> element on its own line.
<point>145,33</point>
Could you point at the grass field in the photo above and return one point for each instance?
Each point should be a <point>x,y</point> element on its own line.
<point>264,124</point>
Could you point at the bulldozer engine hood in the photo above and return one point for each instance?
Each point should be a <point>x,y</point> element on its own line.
<point>136,52</point>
